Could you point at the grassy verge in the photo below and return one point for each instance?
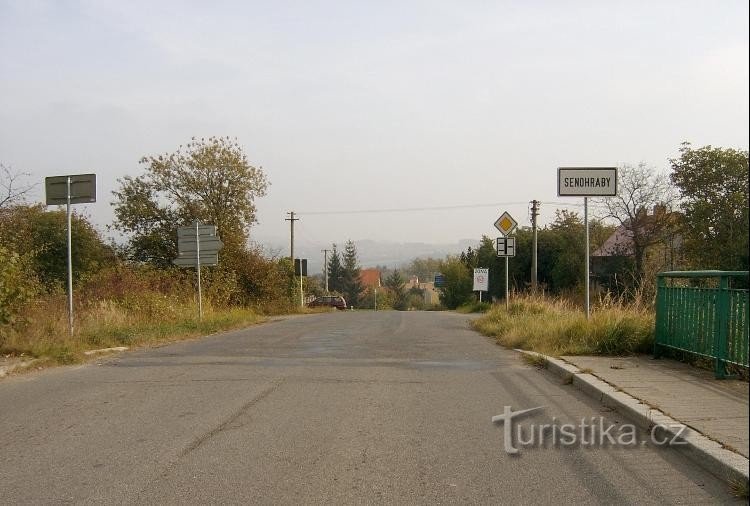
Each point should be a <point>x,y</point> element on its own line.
<point>555,327</point>
<point>45,334</point>
<point>474,307</point>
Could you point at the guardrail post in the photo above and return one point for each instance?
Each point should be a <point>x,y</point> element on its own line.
<point>661,317</point>
<point>721,333</point>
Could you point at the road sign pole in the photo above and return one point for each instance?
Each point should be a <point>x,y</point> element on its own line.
<point>301,293</point>
<point>586,220</point>
<point>506,284</point>
<point>70,263</point>
<point>198,267</point>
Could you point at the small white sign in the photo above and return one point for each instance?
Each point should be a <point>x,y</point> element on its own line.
<point>587,181</point>
<point>481,280</point>
<point>506,246</point>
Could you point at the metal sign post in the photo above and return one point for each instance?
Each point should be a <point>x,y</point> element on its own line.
<point>507,295</point>
<point>67,190</point>
<point>198,245</point>
<point>300,269</point>
<point>198,267</point>
<point>506,246</point>
<point>587,182</point>
<point>70,257</point>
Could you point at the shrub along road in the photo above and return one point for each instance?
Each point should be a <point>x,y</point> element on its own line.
<point>335,408</point>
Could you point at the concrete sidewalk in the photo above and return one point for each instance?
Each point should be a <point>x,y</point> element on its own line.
<point>716,408</point>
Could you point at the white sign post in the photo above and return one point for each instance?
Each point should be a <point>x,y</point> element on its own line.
<point>481,281</point>
<point>587,182</point>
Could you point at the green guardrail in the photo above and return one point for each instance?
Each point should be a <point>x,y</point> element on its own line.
<point>711,322</point>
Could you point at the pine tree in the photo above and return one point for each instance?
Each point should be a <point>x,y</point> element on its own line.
<point>395,283</point>
<point>335,272</point>
<point>351,284</point>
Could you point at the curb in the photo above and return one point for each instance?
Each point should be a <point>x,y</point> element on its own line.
<point>105,350</point>
<point>726,465</point>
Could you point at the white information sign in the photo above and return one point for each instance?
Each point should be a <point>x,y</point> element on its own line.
<point>506,246</point>
<point>481,280</point>
<point>587,181</point>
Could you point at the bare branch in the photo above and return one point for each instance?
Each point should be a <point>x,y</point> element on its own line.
<point>12,192</point>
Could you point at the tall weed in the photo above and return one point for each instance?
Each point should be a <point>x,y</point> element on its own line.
<point>554,326</point>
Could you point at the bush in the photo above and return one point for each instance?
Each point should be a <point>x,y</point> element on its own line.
<point>18,284</point>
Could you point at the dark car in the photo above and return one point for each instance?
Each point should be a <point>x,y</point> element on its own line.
<point>336,301</point>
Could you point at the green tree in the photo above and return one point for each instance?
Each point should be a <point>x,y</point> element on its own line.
<point>395,284</point>
<point>713,183</point>
<point>41,235</point>
<point>351,285</point>
<point>458,283</point>
<point>335,272</point>
<point>485,257</point>
<point>209,180</point>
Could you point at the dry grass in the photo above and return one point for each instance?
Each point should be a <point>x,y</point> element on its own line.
<point>556,327</point>
<point>740,489</point>
<point>152,318</point>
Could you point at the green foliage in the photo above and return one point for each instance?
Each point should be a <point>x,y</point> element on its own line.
<point>396,286</point>
<point>385,299</point>
<point>266,283</point>
<point>209,180</point>
<point>458,283</point>
<point>351,286</point>
<point>414,298</point>
<point>713,183</point>
<point>17,284</point>
<point>41,236</point>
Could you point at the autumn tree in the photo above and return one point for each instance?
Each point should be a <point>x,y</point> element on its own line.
<point>713,184</point>
<point>210,180</point>
<point>641,207</point>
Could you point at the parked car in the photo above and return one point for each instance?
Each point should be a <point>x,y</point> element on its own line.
<point>336,301</point>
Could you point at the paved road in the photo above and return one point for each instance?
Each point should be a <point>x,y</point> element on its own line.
<point>350,407</point>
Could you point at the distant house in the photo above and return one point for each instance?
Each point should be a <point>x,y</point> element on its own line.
<point>370,278</point>
<point>431,295</point>
<point>615,256</point>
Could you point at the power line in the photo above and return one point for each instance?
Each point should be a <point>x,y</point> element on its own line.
<point>434,208</point>
<point>410,209</point>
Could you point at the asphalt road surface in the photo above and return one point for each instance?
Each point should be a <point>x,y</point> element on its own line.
<point>339,408</point>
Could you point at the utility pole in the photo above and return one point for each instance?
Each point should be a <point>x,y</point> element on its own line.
<point>325,266</point>
<point>291,221</point>
<point>534,214</point>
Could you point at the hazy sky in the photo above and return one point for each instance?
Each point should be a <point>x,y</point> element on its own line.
<point>372,105</point>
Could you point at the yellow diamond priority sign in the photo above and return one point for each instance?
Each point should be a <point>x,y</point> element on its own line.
<point>506,224</point>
